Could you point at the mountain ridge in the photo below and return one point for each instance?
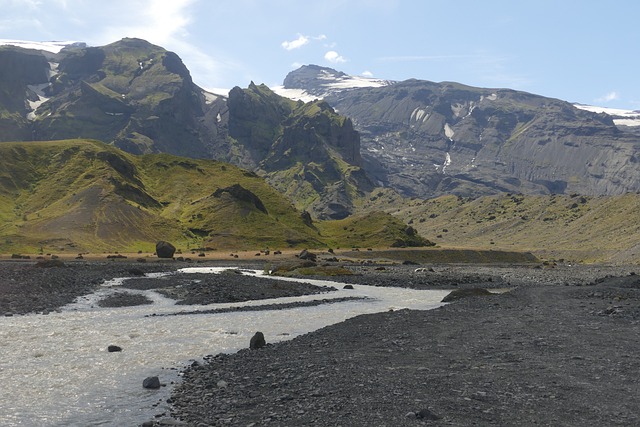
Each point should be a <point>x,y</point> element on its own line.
<point>426,139</point>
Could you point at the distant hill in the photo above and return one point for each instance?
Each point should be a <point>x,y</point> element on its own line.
<point>571,227</point>
<point>83,195</point>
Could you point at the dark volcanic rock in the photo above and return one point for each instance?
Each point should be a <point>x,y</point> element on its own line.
<point>151,382</point>
<point>165,249</point>
<point>257,341</point>
<point>464,293</point>
<point>114,349</point>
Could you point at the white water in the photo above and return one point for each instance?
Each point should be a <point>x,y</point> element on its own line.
<point>55,369</point>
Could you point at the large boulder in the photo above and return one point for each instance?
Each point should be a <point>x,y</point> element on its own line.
<point>257,341</point>
<point>165,249</point>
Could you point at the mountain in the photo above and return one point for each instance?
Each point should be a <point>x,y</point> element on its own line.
<point>131,93</point>
<point>305,150</point>
<point>427,139</point>
<point>83,195</point>
<point>311,82</point>
<point>140,98</point>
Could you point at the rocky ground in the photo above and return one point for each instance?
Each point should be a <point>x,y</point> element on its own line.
<point>44,286</point>
<point>560,348</point>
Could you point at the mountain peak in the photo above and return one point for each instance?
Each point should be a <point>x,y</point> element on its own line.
<point>311,82</point>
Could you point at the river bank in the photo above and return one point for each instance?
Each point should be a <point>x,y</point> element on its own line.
<point>559,349</point>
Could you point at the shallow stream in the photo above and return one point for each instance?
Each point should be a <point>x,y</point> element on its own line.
<point>55,370</point>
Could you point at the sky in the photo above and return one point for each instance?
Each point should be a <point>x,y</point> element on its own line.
<point>583,51</point>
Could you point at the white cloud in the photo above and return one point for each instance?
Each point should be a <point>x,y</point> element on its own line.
<point>301,41</point>
<point>367,74</point>
<point>297,43</point>
<point>333,57</point>
<point>611,96</point>
<point>158,21</point>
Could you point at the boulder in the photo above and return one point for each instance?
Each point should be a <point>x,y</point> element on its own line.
<point>151,382</point>
<point>257,341</point>
<point>114,348</point>
<point>165,249</point>
<point>306,255</point>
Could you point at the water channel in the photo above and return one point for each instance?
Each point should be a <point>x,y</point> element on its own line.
<point>55,370</point>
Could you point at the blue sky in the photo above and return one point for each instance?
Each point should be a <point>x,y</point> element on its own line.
<point>580,51</point>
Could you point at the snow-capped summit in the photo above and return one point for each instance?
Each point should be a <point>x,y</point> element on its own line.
<point>311,82</point>
<point>49,46</point>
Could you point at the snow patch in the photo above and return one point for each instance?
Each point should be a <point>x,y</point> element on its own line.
<point>620,117</point>
<point>448,132</point>
<point>492,97</point>
<point>334,83</point>
<point>39,91</point>
<point>457,109</point>
<point>209,97</point>
<point>216,91</point>
<point>447,161</point>
<point>50,46</point>
<point>295,94</point>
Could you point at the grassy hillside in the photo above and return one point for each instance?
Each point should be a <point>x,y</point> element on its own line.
<point>83,195</point>
<point>376,229</point>
<point>570,227</point>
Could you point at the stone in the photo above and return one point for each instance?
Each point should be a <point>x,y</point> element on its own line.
<point>165,249</point>
<point>151,382</point>
<point>306,255</point>
<point>114,348</point>
<point>257,341</point>
<point>348,287</point>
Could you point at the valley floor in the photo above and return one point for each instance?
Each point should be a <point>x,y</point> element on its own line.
<point>560,348</point>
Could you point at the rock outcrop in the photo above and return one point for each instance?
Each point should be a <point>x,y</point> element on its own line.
<point>307,151</point>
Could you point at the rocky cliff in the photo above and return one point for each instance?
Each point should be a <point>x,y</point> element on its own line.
<point>306,150</point>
